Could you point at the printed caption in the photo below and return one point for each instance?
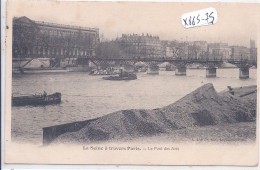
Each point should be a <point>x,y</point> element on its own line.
<point>129,148</point>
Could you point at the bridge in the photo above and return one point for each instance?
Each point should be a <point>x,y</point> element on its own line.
<point>180,63</point>
<point>153,68</point>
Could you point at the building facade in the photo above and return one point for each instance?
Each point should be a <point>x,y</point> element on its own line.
<point>253,50</point>
<point>140,46</point>
<point>219,51</point>
<point>175,49</point>
<point>168,49</point>
<point>34,39</point>
<point>197,49</point>
<point>240,52</point>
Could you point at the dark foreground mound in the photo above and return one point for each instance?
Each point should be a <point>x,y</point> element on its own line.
<point>200,108</point>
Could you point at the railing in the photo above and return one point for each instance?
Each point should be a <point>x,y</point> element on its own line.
<point>156,59</point>
<point>215,61</point>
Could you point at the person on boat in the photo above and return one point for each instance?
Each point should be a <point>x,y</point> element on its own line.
<point>121,71</point>
<point>231,90</point>
<point>44,94</point>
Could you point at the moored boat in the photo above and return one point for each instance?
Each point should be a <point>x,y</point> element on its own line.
<point>42,99</point>
<point>124,76</point>
<point>79,68</point>
<point>103,72</point>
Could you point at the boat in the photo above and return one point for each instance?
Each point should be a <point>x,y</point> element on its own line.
<point>79,68</point>
<point>124,76</point>
<point>102,72</point>
<point>41,99</point>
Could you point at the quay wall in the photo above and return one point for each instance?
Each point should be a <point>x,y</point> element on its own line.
<point>52,132</point>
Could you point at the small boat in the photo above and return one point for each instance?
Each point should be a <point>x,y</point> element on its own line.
<point>102,72</point>
<point>42,99</point>
<point>78,68</point>
<point>126,76</point>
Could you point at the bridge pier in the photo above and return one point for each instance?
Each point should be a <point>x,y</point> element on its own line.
<point>244,72</point>
<point>153,69</point>
<point>211,72</point>
<point>180,70</point>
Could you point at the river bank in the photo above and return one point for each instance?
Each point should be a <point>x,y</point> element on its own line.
<point>87,97</point>
<point>204,114</point>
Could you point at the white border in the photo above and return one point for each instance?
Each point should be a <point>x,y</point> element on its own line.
<point>121,167</point>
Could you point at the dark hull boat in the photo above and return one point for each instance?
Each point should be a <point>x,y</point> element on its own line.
<point>122,77</point>
<point>119,78</point>
<point>36,100</point>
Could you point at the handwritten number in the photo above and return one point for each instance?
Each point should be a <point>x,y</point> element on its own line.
<point>207,14</point>
<point>211,17</point>
<point>198,19</point>
<point>193,21</point>
<point>190,20</point>
<point>208,17</point>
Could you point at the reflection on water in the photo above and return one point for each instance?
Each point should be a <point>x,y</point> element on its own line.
<point>85,96</point>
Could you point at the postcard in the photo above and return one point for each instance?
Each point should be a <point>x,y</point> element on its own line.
<point>131,83</point>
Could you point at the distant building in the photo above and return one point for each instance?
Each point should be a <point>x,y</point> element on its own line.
<point>219,50</point>
<point>183,49</point>
<point>197,49</point>
<point>253,50</point>
<point>175,49</point>
<point>168,49</point>
<point>34,39</point>
<point>253,54</point>
<point>240,52</point>
<point>203,45</point>
<point>169,52</point>
<point>140,46</point>
<point>252,43</point>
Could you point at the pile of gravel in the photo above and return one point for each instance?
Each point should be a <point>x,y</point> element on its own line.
<point>201,107</point>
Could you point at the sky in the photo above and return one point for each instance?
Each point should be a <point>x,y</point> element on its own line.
<point>237,22</point>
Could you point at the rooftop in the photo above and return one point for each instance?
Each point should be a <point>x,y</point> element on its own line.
<point>28,20</point>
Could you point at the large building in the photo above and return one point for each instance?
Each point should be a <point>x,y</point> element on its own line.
<point>197,49</point>
<point>168,49</point>
<point>34,39</point>
<point>253,50</point>
<point>140,46</point>
<point>219,51</point>
<point>240,52</point>
<point>175,49</point>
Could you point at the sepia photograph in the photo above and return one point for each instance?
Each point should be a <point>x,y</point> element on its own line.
<point>146,83</point>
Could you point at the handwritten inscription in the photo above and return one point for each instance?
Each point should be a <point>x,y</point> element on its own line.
<point>202,17</point>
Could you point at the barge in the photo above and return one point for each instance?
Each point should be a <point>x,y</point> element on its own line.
<point>36,100</point>
<point>124,76</point>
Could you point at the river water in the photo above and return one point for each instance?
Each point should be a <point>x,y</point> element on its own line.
<point>85,96</point>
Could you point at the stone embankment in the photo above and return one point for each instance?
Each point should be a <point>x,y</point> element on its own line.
<point>202,107</point>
